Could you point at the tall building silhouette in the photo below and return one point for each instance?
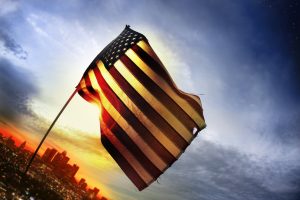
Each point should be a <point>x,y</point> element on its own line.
<point>92,193</point>
<point>10,143</point>
<point>53,169</point>
<point>71,170</point>
<point>22,146</point>
<point>48,155</point>
<point>60,160</point>
<point>51,155</point>
<point>82,184</point>
<point>59,163</point>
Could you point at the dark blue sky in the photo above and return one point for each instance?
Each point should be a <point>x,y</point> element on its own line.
<point>242,55</point>
<point>282,33</point>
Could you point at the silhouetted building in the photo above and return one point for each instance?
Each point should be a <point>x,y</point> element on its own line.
<point>62,168</point>
<point>82,180</point>
<point>22,146</point>
<point>64,161</point>
<point>71,170</point>
<point>60,160</point>
<point>82,184</point>
<point>10,143</point>
<point>45,180</point>
<point>92,193</point>
<point>48,155</point>
<point>51,155</point>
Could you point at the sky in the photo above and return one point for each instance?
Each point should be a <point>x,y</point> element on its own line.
<point>241,57</point>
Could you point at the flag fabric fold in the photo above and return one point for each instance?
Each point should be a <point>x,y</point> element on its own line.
<point>146,121</point>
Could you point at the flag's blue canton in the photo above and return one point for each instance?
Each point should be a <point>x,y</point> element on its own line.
<point>114,50</point>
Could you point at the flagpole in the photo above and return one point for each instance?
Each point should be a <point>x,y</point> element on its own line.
<point>49,129</point>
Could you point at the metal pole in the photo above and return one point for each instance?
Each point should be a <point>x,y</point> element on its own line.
<point>48,131</point>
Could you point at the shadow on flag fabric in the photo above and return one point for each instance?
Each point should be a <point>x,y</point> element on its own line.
<point>146,121</point>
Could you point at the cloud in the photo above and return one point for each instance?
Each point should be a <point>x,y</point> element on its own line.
<point>215,172</point>
<point>240,64</point>
<point>16,89</point>
<point>8,6</point>
<point>7,41</point>
<point>11,46</point>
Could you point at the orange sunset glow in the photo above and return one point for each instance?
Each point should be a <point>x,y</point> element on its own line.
<point>101,160</point>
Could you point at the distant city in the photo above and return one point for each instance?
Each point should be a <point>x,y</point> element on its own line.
<point>50,176</point>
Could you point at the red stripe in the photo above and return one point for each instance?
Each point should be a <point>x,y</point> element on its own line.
<point>156,91</point>
<point>131,146</point>
<point>147,109</point>
<point>85,96</point>
<point>90,87</point>
<point>122,162</point>
<point>162,72</point>
<point>132,120</point>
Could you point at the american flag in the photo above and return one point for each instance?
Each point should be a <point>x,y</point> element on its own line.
<point>146,121</point>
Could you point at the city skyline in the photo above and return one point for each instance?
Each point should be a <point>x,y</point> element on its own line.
<point>57,161</point>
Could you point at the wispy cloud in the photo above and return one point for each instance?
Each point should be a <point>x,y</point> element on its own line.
<point>8,6</point>
<point>17,88</point>
<point>212,171</point>
<point>11,46</point>
<point>8,44</point>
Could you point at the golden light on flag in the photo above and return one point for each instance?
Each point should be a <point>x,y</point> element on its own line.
<point>146,121</point>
